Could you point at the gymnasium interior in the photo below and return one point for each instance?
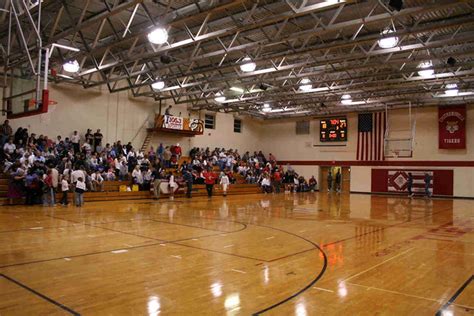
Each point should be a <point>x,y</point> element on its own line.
<point>237,157</point>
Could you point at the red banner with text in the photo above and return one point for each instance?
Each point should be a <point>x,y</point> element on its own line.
<point>452,127</point>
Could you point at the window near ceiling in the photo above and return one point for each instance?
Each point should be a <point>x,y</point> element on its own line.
<point>209,121</point>
<point>237,126</point>
<point>302,128</point>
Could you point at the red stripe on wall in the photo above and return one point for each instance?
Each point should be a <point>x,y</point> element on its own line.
<point>383,133</point>
<point>376,138</point>
<point>348,163</point>
<point>366,137</point>
<point>358,147</point>
<point>371,147</point>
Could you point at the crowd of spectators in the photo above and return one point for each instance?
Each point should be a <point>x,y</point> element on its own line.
<point>39,166</point>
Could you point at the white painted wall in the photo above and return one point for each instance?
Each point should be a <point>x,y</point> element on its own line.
<point>279,137</point>
<point>118,115</point>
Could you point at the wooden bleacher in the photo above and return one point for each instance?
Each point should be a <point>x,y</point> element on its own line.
<point>111,192</point>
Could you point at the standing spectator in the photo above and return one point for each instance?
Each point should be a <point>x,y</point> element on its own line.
<point>168,110</point>
<point>172,185</point>
<point>6,132</point>
<point>75,140</point>
<point>312,184</point>
<point>224,183</point>
<point>98,141</point>
<point>410,184</point>
<point>80,189</point>
<point>177,151</point>
<point>427,184</point>
<point>64,190</point>
<point>329,180</point>
<point>89,137</point>
<point>157,178</point>
<point>48,191</point>
<point>188,178</point>
<point>277,180</point>
<point>266,184</point>
<point>209,180</point>
<point>338,181</point>
<point>55,181</point>
<point>167,156</point>
<point>160,151</point>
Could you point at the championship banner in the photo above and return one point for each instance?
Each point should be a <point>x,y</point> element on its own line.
<point>452,127</point>
<point>178,125</point>
<point>173,122</point>
<point>396,181</point>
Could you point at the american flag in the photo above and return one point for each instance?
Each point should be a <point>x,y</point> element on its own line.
<point>370,139</point>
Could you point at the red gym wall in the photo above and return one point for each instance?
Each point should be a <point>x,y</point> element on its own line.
<point>394,181</point>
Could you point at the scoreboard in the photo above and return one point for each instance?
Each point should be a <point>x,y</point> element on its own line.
<point>333,130</point>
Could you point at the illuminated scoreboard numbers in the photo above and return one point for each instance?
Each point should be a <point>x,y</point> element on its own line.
<point>333,130</point>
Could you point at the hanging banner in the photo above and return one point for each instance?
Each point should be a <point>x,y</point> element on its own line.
<point>452,127</point>
<point>173,122</point>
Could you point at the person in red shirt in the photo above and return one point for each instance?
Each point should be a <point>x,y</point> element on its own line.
<point>209,180</point>
<point>48,190</point>
<point>177,150</point>
<point>277,180</point>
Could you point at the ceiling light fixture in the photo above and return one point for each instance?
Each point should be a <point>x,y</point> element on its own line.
<point>237,89</point>
<point>248,66</point>
<point>346,99</point>
<point>426,73</point>
<point>71,66</point>
<point>158,85</point>
<point>158,36</point>
<point>388,42</point>
<point>219,97</point>
<point>305,84</point>
<point>452,89</point>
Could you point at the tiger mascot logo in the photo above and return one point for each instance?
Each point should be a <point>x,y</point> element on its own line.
<point>452,126</point>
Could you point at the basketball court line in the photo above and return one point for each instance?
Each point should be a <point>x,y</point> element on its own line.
<point>180,224</point>
<point>44,297</point>
<point>455,296</point>
<point>379,264</point>
<point>394,292</point>
<point>160,242</point>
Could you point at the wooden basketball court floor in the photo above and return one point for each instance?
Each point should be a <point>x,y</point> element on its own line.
<point>287,254</point>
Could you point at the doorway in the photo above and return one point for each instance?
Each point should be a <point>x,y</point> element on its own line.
<point>345,178</point>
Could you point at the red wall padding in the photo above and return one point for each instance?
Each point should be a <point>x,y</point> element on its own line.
<point>442,181</point>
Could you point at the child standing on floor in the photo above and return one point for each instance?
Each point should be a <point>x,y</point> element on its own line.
<point>224,183</point>
<point>80,189</point>
<point>64,190</point>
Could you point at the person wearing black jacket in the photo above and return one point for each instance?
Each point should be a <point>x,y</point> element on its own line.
<point>188,178</point>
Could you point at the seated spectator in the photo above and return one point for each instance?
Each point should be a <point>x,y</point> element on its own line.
<point>97,182</point>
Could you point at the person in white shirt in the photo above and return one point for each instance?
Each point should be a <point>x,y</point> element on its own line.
<point>64,190</point>
<point>137,176</point>
<point>9,148</point>
<point>55,176</point>
<point>172,185</point>
<point>224,183</point>
<point>76,174</point>
<point>79,191</point>
<point>75,140</point>
<point>266,184</point>
<point>97,182</point>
